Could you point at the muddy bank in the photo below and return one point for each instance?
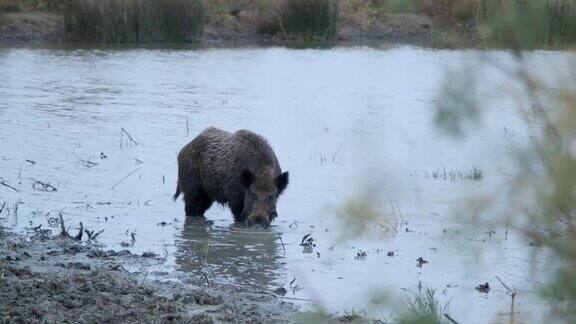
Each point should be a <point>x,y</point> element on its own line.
<point>50,278</point>
<point>41,26</point>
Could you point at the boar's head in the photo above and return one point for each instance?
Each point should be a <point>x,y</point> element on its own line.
<point>262,192</point>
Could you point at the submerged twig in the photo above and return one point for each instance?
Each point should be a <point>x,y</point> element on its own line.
<point>3,182</point>
<point>129,174</point>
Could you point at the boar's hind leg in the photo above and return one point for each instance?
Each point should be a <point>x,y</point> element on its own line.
<point>196,202</point>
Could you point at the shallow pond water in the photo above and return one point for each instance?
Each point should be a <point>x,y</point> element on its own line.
<point>346,122</point>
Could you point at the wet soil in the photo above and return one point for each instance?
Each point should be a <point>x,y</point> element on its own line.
<point>54,279</point>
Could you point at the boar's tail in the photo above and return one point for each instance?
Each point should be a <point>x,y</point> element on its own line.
<point>177,193</point>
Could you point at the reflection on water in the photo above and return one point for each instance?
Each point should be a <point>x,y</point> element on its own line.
<point>232,254</point>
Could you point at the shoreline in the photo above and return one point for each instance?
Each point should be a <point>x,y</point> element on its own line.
<point>43,27</point>
<point>55,278</point>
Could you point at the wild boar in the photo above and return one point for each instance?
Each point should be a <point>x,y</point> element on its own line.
<point>238,169</point>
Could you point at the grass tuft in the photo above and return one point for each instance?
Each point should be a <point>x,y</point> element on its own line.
<point>424,308</point>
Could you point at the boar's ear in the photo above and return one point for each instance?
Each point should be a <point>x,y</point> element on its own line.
<point>246,178</point>
<point>282,182</point>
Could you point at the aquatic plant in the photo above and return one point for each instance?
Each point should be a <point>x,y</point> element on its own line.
<point>127,21</point>
<point>423,308</point>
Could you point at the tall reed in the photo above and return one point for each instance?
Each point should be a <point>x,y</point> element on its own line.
<point>310,19</point>
<point>128,21</point>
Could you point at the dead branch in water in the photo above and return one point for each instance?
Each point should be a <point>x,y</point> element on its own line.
<point>43,186</point>
<point>3,182</point>
<point>129,174</point>
<point>63,230</point>
<point>450,318</point>
<point>283,247</point>
<point>129,136</point>
<point>78,236</point>
<point>512,293</point>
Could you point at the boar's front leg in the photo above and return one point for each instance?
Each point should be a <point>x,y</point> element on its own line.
<point>237,207</point>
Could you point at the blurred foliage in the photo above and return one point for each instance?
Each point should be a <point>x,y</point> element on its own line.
<point>541,199</point>
<point>362,216</point>
<point>457,102</point>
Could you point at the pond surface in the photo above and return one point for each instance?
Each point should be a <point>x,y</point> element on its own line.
<point>346,122</point>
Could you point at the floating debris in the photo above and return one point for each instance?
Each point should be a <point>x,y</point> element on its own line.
<point>360,255</point>
<point>483,288</point>
<point>88,164</point>
<point>148,254</point>
<point>43,186</point>
<point>308,243</point>
<point>280,291</point>
<point>420,262</point>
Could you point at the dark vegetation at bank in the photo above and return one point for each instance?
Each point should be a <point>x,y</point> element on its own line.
<point>545,22</point>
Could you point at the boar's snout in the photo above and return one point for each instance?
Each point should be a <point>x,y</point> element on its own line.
<point>261,220</point>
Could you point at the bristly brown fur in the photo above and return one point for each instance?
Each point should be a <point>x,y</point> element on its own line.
<point>239,169</point>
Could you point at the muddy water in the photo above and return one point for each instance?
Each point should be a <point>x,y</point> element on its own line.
<point>343,121</point>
